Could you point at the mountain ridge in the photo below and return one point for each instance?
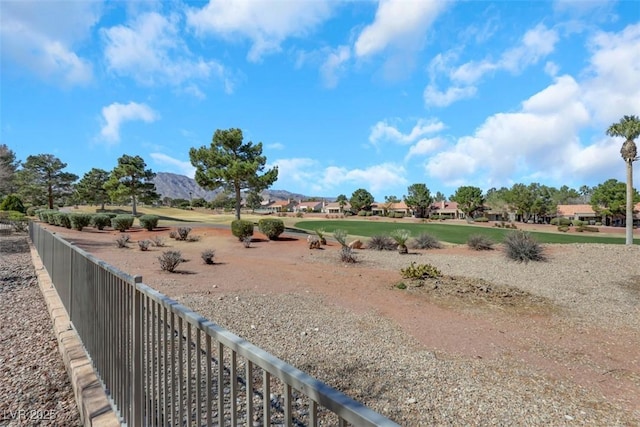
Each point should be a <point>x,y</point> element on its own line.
<point>176,186</point>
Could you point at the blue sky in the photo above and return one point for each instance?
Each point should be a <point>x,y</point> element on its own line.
<point>343,95</point>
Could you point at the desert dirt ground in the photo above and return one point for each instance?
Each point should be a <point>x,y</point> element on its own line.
<point>466,323</point>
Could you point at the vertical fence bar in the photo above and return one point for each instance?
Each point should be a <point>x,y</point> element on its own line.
<point>249,392</point>
<point>288,417</point>
<point>180,373</point>
<point>148,386</point>
<point>234,389</point>
<point>165,368</point>
<point>313,413</point>
<point>174,391</point>
<point>189,375</point>
<point>198,379</point>
<point>209,393</point>
<point>266,399</point>
<point>137,391</point>
<point>158,366</point>
<point>220,384</point>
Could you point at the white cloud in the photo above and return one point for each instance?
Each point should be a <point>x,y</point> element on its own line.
<point>375,178</point>
<point>151,51</point>
<point>434,97</point>
<point>612,86</point>
<point>275,146</point>
<point>311,176</point>
<point>333,65</point>
<point>116,114</point>
<point>541,136</point>
<point>40,36</point>
<point>176,166</point>
<point>398,23</point>
<point>266,23</point>
<point>424,147</point>
<point>535,44</point>
<point>383,131</point>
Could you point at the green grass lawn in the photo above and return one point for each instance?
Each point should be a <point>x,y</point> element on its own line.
<point>452,233</point>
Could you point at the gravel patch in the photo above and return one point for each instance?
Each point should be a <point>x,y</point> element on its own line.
<point>370,358</point>
<point>34,386</point>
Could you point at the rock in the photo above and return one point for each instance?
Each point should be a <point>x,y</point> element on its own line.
<point>356,244</point>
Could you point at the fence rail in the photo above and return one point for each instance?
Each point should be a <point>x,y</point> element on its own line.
<point>162,364</point>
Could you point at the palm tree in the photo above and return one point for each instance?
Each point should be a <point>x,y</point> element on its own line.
<point>629,128</point>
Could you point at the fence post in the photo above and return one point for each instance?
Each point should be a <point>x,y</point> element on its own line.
<point>137,392</point>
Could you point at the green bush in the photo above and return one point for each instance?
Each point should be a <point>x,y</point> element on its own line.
<point>271,227</point>
<point>62,219</point>
<point>100,221</point>
<point>398,215</point>
<point>563,228</point>
<point>480,242</point>
<point>578,223</point>
<point>149,221</point>
<point>12,215</point>
<point>420,271</point>
<point>362,213</point>
<point>241,228</point>
<point>425,241</point>
<point>12,203</point>
<point>560,221</point>
<point>520,246</point>
<point>122,222</point>
<point>591,229</point>
<point>31,211</point>
<point>80,220</point>
<point>481,219</point>
<point>382,243</point>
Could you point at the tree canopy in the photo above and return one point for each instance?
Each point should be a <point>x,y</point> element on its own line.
<point>361,200</point>
<point>628,128</point>
<point>90,188</point>
<point>43,181</point>
<point>230,164</point>
<point>419,199</point>
<point>609,198</point>
<point>469,199</point>
<point>8,167</point>
<point>131,180</point>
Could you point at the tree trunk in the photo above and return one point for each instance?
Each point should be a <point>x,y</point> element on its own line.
<point>134,210</point>
<point>629,219</point>
<point>238,201</point>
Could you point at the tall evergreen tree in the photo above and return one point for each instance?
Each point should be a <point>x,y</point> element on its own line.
<point>130,180</point>
<point>43,181</point>
<point>8,167</point>
<point>90,189</point>
<point>419,199</point>
<point>230,164</point>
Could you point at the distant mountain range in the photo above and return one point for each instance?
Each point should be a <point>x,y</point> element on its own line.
<point>177,186</point>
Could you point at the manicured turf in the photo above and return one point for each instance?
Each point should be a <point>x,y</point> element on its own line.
<point>452,233</point>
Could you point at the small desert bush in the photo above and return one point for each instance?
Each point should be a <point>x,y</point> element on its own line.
<point>173,234</point>
<point>425,241</point>
<point>169,260</point>
<point>20,226</point>
<point>207,256</point>
<point>149,221</point>
<point>271,227</point>
<point>346,255</point>
<point>382,243</point>
<point>320,234</point>
<point>246,241</point>
<point>100,221</point>
<point>122,222</point>
<point>401,285</point>
<point>144,244</point>
<point>62,219</point>
<point>420,271</point>
<point>480,242</point>
<point>157,241</point>
<point>341,236</point>
<point>80,220</point>
<point>241,228</point>
<point>122,240</point>
<point>522,247</point>
<point>183,233</point>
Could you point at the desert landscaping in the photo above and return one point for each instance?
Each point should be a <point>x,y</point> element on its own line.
<point>492,342</point>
